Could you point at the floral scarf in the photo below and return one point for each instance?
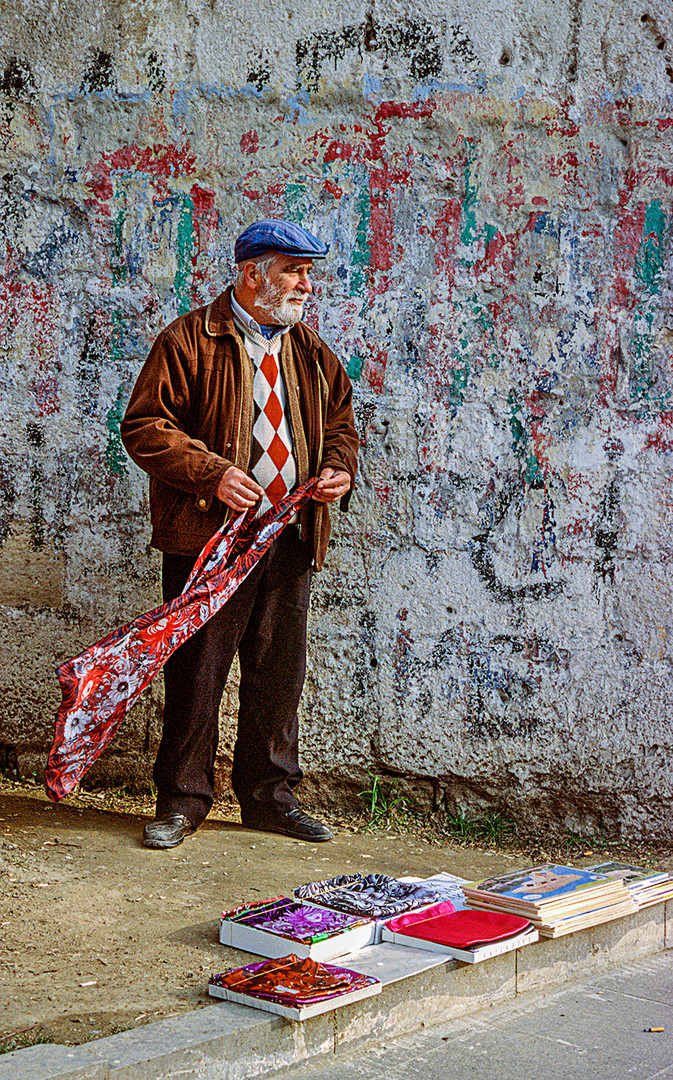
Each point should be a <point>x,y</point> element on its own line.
<point>101,684</point>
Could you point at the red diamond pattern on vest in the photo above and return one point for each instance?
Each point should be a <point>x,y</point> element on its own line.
<point>271,461</point>
<point>273,411</point>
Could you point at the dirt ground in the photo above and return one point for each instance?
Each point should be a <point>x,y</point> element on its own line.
<point>100,934</point>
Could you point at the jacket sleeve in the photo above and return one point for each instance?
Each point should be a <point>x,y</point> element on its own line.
<point>340,440</point>
<point>156,424</point>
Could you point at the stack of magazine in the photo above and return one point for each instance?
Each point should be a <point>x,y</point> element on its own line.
<point>646,886</point>
<point>556,899</point>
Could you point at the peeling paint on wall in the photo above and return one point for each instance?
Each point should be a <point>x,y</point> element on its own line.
<point>496,189</point>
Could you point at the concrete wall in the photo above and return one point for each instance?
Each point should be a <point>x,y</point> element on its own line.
<point>495,182</point>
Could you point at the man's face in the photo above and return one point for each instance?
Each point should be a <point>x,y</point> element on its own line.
<point>284,289</point>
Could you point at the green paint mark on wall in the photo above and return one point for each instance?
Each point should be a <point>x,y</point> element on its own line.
<point>115,456</point>
<point>362,256</point>
<point>516,427</point>
<point>458,380</point>
<point>297,203</point>
<point>184,249</point>
<point>648,270</point>
<point>354,368</point>
<point>117,262</point>
<point>468,218</point>
<point>533,474</point>
<point>650,254</point>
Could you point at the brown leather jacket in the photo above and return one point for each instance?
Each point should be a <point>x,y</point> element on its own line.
<point>190,418</point>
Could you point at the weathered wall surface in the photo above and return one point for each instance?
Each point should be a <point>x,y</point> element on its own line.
<point>496,188</point>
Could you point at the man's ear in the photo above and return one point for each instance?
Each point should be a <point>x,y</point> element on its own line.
<point>252,277</point>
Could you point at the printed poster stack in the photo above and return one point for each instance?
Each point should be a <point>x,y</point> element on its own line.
<point>557,899</point>
<point>646,886</point>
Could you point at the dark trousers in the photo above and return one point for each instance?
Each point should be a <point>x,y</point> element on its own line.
<point>265,621</point>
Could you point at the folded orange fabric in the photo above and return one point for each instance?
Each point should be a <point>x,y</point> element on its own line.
<point>291,979</point>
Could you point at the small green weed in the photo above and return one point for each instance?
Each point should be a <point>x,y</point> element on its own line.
<point>573,840</point>
<point>19,1040</point>
<point>380,800</point>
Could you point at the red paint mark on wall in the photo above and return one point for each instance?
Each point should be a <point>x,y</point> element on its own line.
<point>250,142</point>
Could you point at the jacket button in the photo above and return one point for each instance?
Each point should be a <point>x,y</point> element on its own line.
<point>228,446</point>
<point>202,504</point>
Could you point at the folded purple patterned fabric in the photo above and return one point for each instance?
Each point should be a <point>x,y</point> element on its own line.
<point>293,920</point>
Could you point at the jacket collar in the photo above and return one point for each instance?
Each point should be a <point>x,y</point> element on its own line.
<point>219,318</point>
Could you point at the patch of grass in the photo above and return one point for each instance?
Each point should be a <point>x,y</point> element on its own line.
<point>572,841</point>
<point>461,826</point>
<point>381,802</point>
<point>493,827</point>
<point>20,1040</point>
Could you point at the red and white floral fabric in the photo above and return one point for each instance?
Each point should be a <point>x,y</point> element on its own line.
<point>101,684</point>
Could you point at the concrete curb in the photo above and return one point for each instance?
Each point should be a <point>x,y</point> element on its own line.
<point>232,1042</point>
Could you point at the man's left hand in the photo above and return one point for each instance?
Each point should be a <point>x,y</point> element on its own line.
<point>332,485</point>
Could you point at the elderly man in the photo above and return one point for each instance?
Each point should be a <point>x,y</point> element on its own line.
<point>237,404</point>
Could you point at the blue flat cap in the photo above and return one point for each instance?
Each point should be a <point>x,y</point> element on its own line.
<point>275,235</point>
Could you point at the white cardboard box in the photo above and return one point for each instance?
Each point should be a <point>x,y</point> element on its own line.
<point>273,945</point>
<point>304,1012</point>
<point>468,956</point>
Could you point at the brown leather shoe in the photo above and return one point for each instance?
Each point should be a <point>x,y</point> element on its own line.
<point>167,832</point>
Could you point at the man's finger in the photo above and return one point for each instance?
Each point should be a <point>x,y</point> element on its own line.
<point>248,484</point>
<point>332,485</point>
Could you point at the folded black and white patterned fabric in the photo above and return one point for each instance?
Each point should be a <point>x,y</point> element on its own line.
<point>375,895</point>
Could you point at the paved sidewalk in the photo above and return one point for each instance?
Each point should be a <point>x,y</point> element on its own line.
<point>591,1030</point>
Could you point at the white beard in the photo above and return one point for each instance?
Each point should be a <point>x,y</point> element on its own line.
<point>276,303</point>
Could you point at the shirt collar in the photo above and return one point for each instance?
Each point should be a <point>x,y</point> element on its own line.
<point>244,319</point>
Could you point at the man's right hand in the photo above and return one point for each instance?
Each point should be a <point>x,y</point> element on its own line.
<point>238,490</point>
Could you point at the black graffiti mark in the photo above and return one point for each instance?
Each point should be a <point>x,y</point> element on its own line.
<point>324,601</point>
<point>484,674</point>
<point>413,39</point>
<point>89,369</point>
<point>7,501</point>
<point>609,521</point>
<point>17,79</point>
<point>260,75</point>
<point>493,509</point>
<point>659,40</point>
<point>482,560</point>
<point>461,45</point>
<point>13,207</point>
<point>482,724</point>
<point>98,74</point>
<point>573,56</point>
<point>156,74</point>
<point>35,437</point>
<point>607,532</point>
